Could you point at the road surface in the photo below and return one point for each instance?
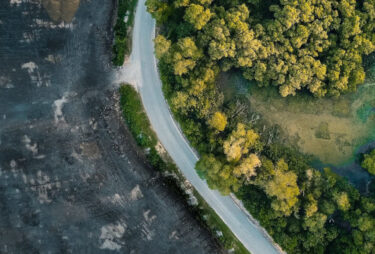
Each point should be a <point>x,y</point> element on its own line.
<point>141,70</point>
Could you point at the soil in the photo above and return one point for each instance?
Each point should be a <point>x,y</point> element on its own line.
<point>61,10</point>
<point>72,179</point>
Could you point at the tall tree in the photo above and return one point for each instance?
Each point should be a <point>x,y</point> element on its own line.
<point>197,15</point>
<point>240,142</point>
<point>283,186</point>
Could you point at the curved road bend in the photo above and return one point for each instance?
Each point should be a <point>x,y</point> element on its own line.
<point>142,70</point>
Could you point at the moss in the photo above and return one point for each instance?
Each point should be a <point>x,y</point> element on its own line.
<point>322,131</point>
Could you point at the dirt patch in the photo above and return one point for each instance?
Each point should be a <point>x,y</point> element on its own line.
<point>90,150</point>
<point>61,10</point>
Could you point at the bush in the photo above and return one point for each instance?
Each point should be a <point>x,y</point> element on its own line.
<point>135,117</point>
<point>368,162</point>
<point>125,18</point>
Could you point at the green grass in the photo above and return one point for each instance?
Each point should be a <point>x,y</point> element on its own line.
<point>121,46</point>
<point>136,118</point>
<point>139,125</point>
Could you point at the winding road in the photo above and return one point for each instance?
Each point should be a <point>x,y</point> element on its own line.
<point>141,70</point>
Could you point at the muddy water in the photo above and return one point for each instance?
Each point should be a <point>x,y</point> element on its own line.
<point>71,177</point>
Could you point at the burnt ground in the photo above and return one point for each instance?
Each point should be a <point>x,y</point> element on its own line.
<point>71,177</point>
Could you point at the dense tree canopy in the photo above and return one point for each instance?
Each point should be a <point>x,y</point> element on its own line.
<point>300,45</point>
<point>283,186</point>
<point>295,45</point>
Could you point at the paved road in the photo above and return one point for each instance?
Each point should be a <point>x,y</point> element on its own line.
<point>142,71</point>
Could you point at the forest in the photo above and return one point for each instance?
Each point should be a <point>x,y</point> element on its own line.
<point>301,46</point>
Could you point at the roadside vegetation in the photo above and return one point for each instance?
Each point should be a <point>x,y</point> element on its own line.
<point>298,46</point>
<point>139,125</point>
<point>124,23</point>
<point>135,117</point>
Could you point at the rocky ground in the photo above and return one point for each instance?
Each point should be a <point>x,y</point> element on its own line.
<point>71,177</point>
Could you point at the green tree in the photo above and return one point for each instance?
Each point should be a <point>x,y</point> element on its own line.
<point>368,162</point>
<point>311,206</point>
<point>342,200</point>
<point>218,175</point>
<point>159,10</point>
<point>365,222</point>
<point>316,222</point>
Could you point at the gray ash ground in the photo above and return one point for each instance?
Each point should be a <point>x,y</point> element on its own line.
<point>71,179</point>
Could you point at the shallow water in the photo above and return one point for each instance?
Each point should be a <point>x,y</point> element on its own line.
<point>333,130</point>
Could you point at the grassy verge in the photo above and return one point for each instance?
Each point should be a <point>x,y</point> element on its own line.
<point>136,118</point>
<point>139,125</point>
<point>124,21</point>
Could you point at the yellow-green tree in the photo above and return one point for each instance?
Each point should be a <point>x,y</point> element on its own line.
<point>185,55</point>
<point>247,167</point>
<point>342,200</point>
<point>311,207</point>
<point>369,162</point>
<point>240,142</point>
<point>197,15</point>
<point>283,186</point>
<point>162,46</point>
<point>218,121</point>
